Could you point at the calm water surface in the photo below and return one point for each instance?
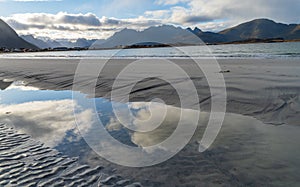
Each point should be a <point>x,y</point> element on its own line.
<point>262,50</point>
<point>246,152</point>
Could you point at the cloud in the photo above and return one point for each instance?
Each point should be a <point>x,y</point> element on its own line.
<point>218,14</point>
<point>39,120</point>
<point>165,119</point>
<point>110,21</point>
<point>72,26</point>
<point>212,15</point>
<point>87,19</point>
<point>63,18</point>
<point>169,2</point>
<point>158,14</point>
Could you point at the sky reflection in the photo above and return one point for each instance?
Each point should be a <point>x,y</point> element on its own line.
<point>244,147</point>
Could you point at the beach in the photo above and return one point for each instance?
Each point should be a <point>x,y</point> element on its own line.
<point>163,93</point>
<point>257,145</point>
<point>267,89</point>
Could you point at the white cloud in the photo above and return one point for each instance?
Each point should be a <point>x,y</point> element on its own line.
<point>158,14</point>
<point>61,18</point>
<point>72,26</point>
<point>212,15</point>
<point>218,14</point>
<point>46,121</point>
<point>169,2</point>
<point>165,117</point>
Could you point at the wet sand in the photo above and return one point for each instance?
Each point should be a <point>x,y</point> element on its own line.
<point>267,89</point>
<point>27,162</point>
<point>246,152</point>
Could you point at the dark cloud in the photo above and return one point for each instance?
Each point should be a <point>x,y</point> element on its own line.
<point>102,29</point>
<point>63,28</point>
<point>111,21</point>
<point>75,22</point>
<point>20,26</point>
<point>71,26</point>
<point>88,19</point>
<point>197,19</point>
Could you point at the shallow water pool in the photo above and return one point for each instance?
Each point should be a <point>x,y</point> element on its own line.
<point>246,151</point>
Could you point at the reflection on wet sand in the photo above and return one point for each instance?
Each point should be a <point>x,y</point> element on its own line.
<point>246,151</point>
<point>167,118</point>
<point>46,121</point>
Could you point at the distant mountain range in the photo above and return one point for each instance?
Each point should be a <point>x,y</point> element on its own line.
<point>256,30</point>
<point>48,43</point>
<point>42,44</point>
<point>165,34</point>
<point>10,39</point>
<point>259,30</point>
<point>262,29</point>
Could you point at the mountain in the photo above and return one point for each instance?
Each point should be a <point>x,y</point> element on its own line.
<point>37,42</point>
<point>48,43</point>
<point>261,29</point>
<point>81,42</point>
<point>165,34</point>
<point>256,30</point>
<point>208,37</point>
<point>10,39</point>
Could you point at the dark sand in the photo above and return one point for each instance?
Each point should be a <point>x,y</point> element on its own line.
<point>267,89</point>
<point>27,162</point>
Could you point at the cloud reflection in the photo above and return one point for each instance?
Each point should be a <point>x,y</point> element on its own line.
<point>145,113</point>
<point>46,121</point>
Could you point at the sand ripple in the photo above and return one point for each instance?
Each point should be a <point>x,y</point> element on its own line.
<point>26,162</point>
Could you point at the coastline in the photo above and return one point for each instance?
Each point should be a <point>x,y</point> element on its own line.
<point>239,42</point>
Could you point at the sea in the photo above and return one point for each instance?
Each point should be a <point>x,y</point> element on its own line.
<point>258,50</point>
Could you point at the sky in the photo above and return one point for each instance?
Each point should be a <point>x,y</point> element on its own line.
<point>99,19</point>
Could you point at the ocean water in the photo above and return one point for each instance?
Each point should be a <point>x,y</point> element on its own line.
<point>261,50</point>
<point>246,151</point>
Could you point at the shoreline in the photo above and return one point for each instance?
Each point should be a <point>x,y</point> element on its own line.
<point>242,42</point>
